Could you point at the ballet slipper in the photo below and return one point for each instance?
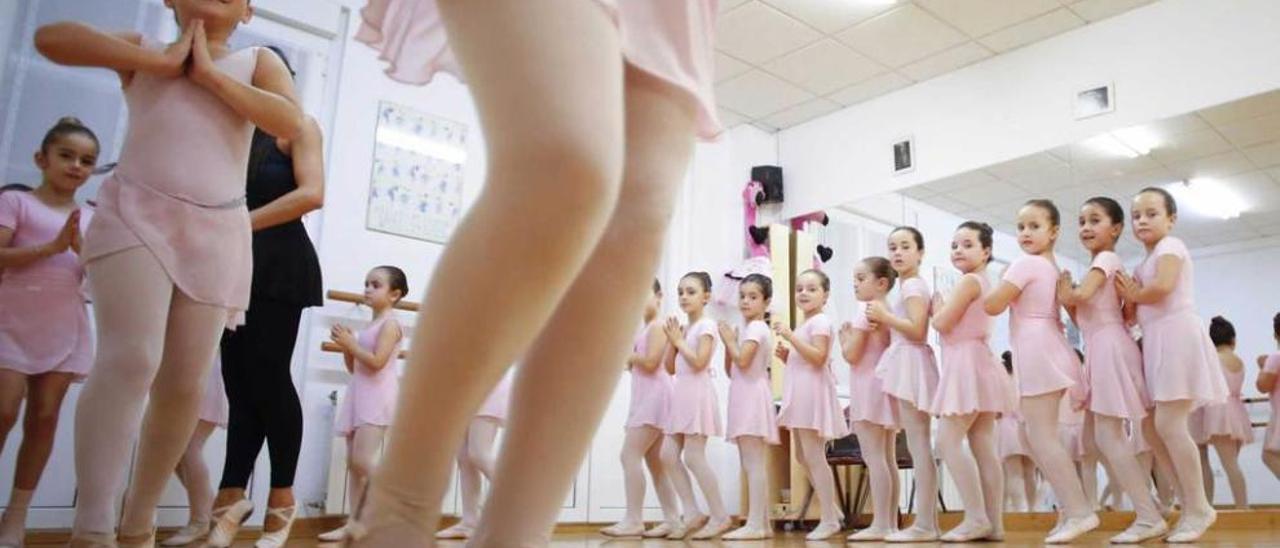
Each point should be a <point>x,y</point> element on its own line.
<point>913,534</point>
<point>1141,532</point>
<point>967,532</point>
<point>870,534</point>
<point>824,531</point>
<point>661,530</point>
<point>623,530</point>
<point>714,528</point>
<point>1073,528</point>
<point>1190,529</point>
<point>748,532</point>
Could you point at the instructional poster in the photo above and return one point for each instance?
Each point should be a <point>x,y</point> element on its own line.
<point>415,189</point>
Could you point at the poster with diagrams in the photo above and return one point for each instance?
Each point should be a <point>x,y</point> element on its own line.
<point>415,189</point>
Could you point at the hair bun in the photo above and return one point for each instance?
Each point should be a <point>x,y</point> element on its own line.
<point>70,121</point>
<point>1218,320</point>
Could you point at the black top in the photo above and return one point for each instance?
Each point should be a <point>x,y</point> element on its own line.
<point>285,266</point>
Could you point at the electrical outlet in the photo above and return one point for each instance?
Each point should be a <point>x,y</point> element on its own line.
<point>780,510</point>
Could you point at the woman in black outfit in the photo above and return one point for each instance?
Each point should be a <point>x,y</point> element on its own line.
<point>285,181</point>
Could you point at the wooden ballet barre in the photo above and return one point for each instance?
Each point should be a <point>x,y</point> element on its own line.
<point>348,297</point>
<point>1257,399</point>
<point>331,347</point>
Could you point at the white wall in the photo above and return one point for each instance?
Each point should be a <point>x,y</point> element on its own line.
<point>1166,58</point>
<point>1241,287</point>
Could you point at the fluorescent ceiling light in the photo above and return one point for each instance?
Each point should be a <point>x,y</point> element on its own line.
<point>1109,145</point>
<point>1126,143</point>
<point>427,147</point>
<point>1208,197</point>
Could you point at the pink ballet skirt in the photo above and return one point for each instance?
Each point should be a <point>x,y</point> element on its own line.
<point>1075,437</point>
<point>1012,436</point>
<point>650,392</point>
<point>1043,362</point>
<point>1195,425</point>
<point>180,192</point>
<point>1178,359</point>
<point>809,391</point>
<point>972,380</point>
<point>371,395</point>
<point>1229,419</point>
<point>1113,362</point>
<point>213,407</point>
<point>495,406</point>
<point>695,408</point>
<point>44,324</point>
<point>867,399</point>
<point>751,411</point>
<point>672,40</point>
<point>1271,442</point>
<point>908,369</point>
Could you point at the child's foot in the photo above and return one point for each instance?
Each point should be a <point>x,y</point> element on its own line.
<point>714,528</point>
<point>967,532</point>
<point>1141,532</point>
<point>1072,528</point>
<point>824,531</point>
<point>193,531</point>
<point>913,534</point>
<point>689,526</point>
<point>661,530</point>
<point>870,534</point>
<point>457,532</point>
<point>623,530</point>
<point>748,532</point>
<point>1191,528</point>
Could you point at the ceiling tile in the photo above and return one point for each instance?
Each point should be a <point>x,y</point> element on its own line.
<point>1252,131</point>
<point>727,67</point>
<point>1221,165</point>
<point>901,36</point>
<point>918,192</point>
<point>729,118</point>
<point>1096,10</point>
<point>1187,146</point>
<point>989,194</point>
<point>1232,231</point>
<point>874,87</point>
<point>1256,189</point>
<point>1265,155</point>
<point>756,33</point>
<point>1030,164</point>
<point>981,17</point>
<point>946,204</point>
<point>802,113</point>
<point>1262,104</point>
<point>830,16</point>
<point>947,61</point>
<point>1176,125</point>
<point>757,93</point>
<point>824,67</point>
<point>1050,24</point>
<point>961,182</point>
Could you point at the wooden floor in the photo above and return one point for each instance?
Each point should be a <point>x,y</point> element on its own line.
<point>1254,528</point>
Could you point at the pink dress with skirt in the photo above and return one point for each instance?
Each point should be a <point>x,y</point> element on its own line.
<point>972,379</point>
<point>1229,419</point>
<point>809,391</point>
<point>908,369</point>
<point>44,325</point>
<point>371,394</point>
<point>751,411</point>
<point>867,399</point>
<point>672,40</point>
<point>1113,362</point>
<point>1178,359</point>
<point>695,408</point>
<point>1271,442</point>
<point>650,392</point>
<point>179,189</point>
<point>1043,362</point>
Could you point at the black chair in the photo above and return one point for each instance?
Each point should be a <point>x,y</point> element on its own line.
<point>847,452</point>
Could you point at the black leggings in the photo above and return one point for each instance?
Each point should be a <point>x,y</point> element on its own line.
<point>263,402</point>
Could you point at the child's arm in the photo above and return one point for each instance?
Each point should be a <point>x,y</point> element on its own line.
<point>669,360</point>
<point>308,172</point>
<point>996,302</point>
<point>853,343</point>
<point>700,358</point>
<point>1168,267</point>
<point>349,361</point>
<point>915,327</point>
<point>383,351</point>
<point>816,352</point>
<point>655,344</point>
<point>267,102</point>
<point>948,315</point>
<point>12,257</point>
<point>77,44</point>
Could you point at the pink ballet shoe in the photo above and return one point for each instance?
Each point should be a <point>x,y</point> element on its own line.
<point>1141,532</point>
<point>688,527</point>
<point>623,530</point>
<point>227,522</point>
<point>870,534</point>
<point>1073,528</point>
<point>661,530</point>
<point>913,534</point>
<point>714,528</point>
<point>1191,529</point>
<point>748,532</point>
<point>824,531</point>
<point>966,532</point>
<point>457,532</point>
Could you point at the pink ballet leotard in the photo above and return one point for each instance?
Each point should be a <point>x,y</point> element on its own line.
<point>371,394</point>
<point>179,189</point>
<point>809,391</point>
<point>972,379</point>
<point>44,325</point>
<point>867,399</point>
<point>213,407</point>
<point>751,411</point>
<point>1112,359</point>
<point>1178,359</point>
<point>651,391</point>
<point>1043,362</point>
<point>907,368</point>
<point>672,40</point>
<point>695,408</point>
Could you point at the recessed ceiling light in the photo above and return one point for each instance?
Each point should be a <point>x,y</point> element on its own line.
<point>1208,197</point>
